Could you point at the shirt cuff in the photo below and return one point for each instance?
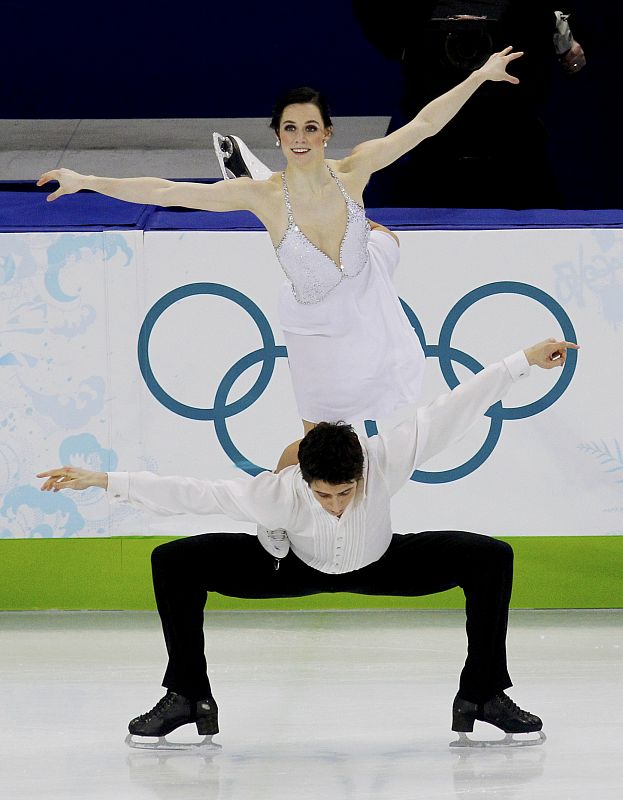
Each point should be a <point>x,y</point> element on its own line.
<point>119,485</point>
<point>517,365</point>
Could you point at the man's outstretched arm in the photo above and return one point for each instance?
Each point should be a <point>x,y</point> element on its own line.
<point>442,422</point>
<point>265,498</point>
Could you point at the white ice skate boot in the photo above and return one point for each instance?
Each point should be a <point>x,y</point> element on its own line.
<point>236,160</point>
<point>501,712</point>
<point>274,542</point>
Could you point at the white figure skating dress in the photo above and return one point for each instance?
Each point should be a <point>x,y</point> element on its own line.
<point>353,354</point>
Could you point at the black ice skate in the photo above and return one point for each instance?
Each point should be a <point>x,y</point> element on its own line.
<point>499,711</point>
<point>236,160</point>
<point>169,713</point>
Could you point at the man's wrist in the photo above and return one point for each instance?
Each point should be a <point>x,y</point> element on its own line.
<point>534,355</point>
<point>518,365</point>
<point>101,480</point>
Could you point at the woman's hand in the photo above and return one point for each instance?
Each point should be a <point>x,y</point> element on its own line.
<point>494,69</point>
<point>550,353</point>
<point>69,182</point>
<point>72,478</point>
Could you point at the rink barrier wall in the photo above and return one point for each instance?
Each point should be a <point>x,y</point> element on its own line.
<point>114,574</point>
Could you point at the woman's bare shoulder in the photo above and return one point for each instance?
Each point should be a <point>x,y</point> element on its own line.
<point>258,196</point>
<point>269,194</point>
<point>266,202</point>
<point>269,189</point>
<point>353,182</point>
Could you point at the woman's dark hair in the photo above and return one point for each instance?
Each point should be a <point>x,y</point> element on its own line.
<point>304,94</point>
<point>331,452</point>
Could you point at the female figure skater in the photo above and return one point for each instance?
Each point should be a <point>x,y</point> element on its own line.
<point>352,352</point>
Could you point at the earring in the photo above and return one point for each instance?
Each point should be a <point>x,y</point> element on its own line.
<point>325,142</point>
<point>277,143</point>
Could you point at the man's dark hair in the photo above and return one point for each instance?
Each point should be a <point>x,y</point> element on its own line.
<point>331,452</point>
<point>304,94</point>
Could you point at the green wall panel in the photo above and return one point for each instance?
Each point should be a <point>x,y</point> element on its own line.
<point>113,573</point>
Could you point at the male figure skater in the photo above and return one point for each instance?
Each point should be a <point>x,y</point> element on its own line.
<point>334,512</point>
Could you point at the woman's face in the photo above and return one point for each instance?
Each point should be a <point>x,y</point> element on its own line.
<point>302,133</point>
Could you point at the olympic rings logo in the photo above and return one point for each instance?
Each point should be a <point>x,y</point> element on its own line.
<point>269,352</point>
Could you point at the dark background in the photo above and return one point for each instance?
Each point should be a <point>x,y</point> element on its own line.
<point>126,60</point>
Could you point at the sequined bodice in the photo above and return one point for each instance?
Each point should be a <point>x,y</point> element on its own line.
<point>311,272</point>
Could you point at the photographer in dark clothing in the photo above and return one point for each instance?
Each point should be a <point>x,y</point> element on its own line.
<point>494,154</point>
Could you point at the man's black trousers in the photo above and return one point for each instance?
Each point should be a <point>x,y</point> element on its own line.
<point>236,565</point>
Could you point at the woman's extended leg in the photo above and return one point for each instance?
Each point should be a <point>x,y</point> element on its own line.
<point>290,456</point>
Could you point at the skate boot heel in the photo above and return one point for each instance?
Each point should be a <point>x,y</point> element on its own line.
<point>463,716</point>
<point>207,719</point>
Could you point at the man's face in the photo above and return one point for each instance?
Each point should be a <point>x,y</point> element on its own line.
<point>334,497</point>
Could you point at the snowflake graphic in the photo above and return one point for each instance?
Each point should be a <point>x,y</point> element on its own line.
<point>610,457</point>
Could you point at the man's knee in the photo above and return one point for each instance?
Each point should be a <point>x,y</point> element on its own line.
<point>505,550</point>
<point>498,552</point>
<point>167,555</point>
<point>488,552</point>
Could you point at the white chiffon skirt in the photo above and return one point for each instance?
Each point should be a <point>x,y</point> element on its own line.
<point>354,355</point>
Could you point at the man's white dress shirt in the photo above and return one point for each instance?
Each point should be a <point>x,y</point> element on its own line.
<point>364,531</point>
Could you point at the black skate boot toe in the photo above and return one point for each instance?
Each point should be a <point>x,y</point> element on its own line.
<point>506,715</point>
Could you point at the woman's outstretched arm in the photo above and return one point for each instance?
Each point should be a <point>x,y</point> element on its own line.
<point>241,194</point>
<point>370,156</point>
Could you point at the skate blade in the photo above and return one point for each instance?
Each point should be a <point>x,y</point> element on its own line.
<point>509,740</point>
<point>162,743</point>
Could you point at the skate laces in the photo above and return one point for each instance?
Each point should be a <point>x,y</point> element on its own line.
<point>160,706</point>
<point>278,535</point>
<point>512,707</point>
